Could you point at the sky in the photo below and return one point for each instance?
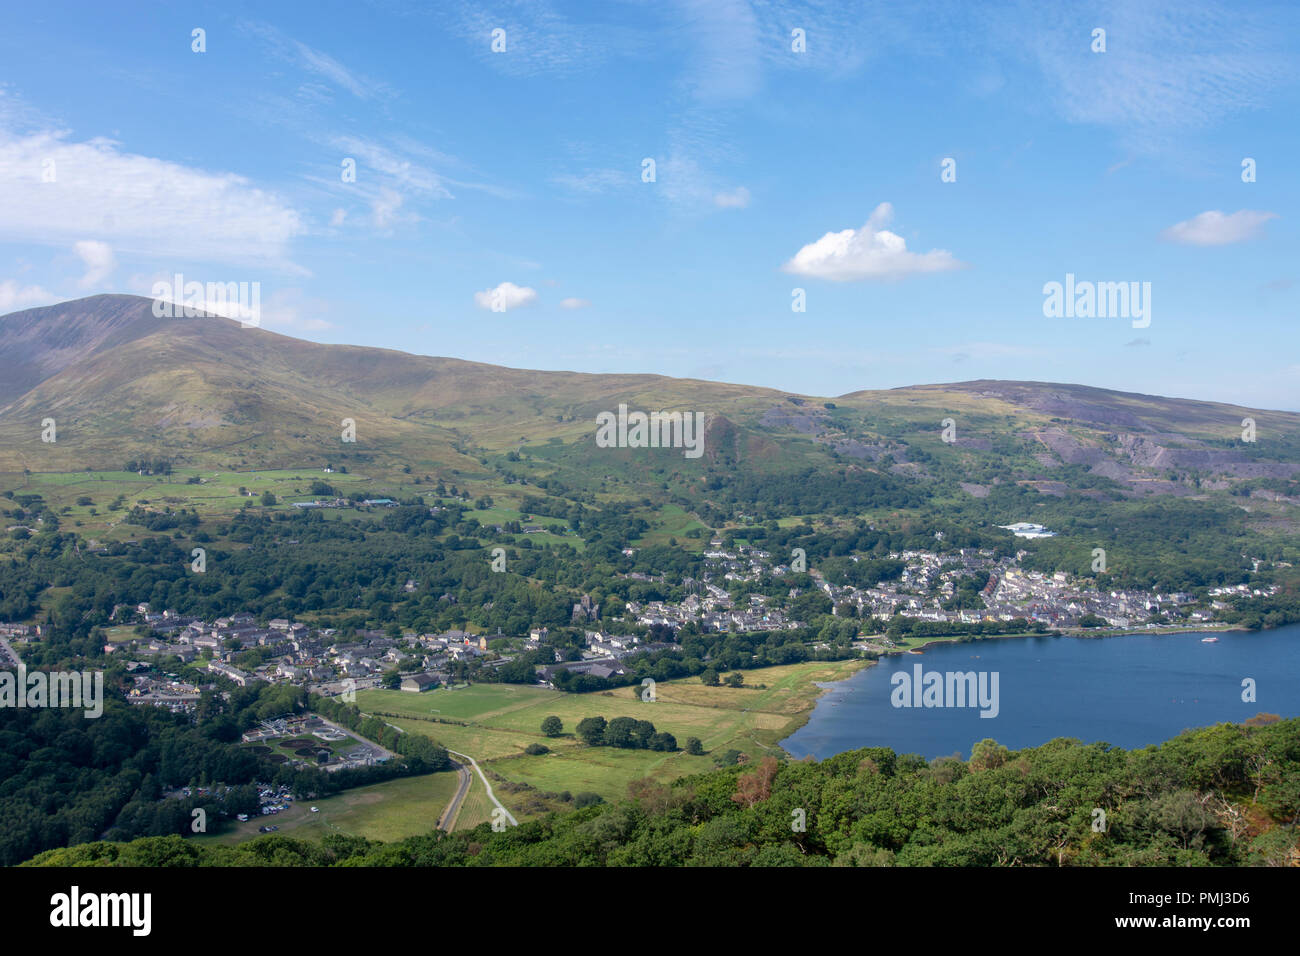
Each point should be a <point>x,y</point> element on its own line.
<point>814,197</point>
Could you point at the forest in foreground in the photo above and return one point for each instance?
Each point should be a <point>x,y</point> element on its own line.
<point>1227,795</point>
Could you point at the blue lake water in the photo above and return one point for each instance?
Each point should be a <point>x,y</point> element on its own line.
<point>1130,691</point>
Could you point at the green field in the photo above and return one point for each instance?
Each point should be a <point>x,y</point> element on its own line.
<point>503,719</point>
<point>215,494</point>
<point>673,521</point>
<point>383,811</point>
<point>476,808</point>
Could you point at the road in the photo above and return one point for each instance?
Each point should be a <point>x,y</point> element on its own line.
<point>448,819</point>
<point>454,806</point>
<point>7,653</point>
<point>491,796</point>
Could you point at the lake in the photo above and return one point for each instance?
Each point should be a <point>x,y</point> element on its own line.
<point>1129,690</point>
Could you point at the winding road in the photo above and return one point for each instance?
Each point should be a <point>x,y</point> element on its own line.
<point>448,818</point>
<point>491,796</point>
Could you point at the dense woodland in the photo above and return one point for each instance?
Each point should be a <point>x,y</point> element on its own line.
<point>1227,795</point>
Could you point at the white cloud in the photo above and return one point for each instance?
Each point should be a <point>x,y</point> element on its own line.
<point>338,218</point>
<point>98,257</point>
<point>504,297</point>
<point>738,198</point>
<point>144,205</point>
<point>572,303</point>
<point>871,252</point>
<point>14,297</point>
<point>1213,228</point>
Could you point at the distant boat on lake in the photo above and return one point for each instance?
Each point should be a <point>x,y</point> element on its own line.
<point>1209,640</point>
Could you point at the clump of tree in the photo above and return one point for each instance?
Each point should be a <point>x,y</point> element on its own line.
<point>149,466</point>
<point>624,732</point>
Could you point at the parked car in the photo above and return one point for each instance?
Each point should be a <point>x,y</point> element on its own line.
<point>315,809</point>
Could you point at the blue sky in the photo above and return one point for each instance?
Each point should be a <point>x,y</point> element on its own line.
<point>775,170</point>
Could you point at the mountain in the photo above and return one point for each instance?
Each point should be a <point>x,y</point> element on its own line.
<point>121,383</point>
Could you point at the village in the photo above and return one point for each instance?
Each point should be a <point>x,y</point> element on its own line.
<point>326,662</point>
<point>926,590</point>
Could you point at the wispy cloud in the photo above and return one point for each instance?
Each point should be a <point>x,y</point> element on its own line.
<point>593,180</point>
<point>1168,67</point>
<point>315,61</point>
<point>988,351</point>
<point>399,169</point>
<point>539,39</point>
<point>292,309</point>
<point>726,62</point>
<point>1213,228</point>
<point>738,198</point>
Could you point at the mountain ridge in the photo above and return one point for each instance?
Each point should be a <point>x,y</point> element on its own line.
<point>116,378</point>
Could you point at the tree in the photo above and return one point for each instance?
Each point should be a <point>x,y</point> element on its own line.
<point>552,726</point>
<point>268,499</point>
<point>619,732</point>
<point>756,786</point>
<point>735,679</point>
<point>643,733</point>
<point>729,758</point>
<point>662,740</point>
<point>709,677</point>
<point>592,730</point>
<point>988,754</point>
<point>694,746</point>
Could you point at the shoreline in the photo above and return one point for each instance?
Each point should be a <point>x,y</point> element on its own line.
<point>1084,632</point>
<point>799,719</point>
